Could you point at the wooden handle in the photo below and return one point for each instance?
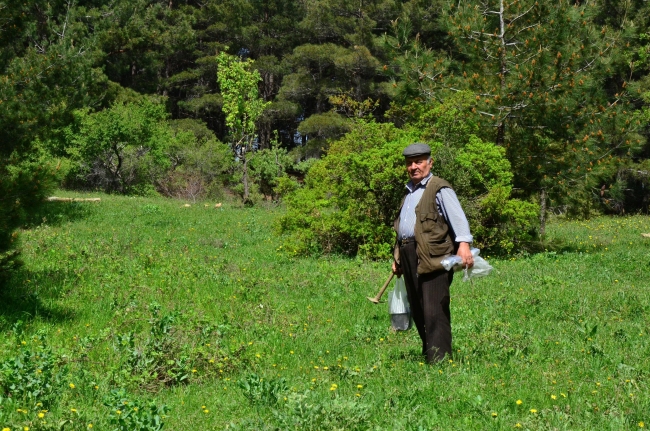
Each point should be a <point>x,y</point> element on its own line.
<point>382,290</point>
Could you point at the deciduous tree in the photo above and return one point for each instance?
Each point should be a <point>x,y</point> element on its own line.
<point>242,105</point>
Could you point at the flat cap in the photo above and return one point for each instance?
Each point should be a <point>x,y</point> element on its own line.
<point>417,149</point>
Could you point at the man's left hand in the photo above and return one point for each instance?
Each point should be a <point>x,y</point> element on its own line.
<point>465,254</point>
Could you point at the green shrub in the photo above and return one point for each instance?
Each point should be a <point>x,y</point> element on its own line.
<point>200,164</point>
<point>120,149</point>
<point>499,222</point>
<point>351,196</point>
<point>267,167</point>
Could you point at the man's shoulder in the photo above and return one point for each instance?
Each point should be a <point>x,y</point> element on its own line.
<point>438,183</point>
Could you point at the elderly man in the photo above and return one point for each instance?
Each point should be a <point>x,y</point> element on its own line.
<point>431,225</point>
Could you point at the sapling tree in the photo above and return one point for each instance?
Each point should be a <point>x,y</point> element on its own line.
<point>242,106</point>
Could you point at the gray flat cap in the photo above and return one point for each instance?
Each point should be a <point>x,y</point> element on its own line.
<point>417,149</point>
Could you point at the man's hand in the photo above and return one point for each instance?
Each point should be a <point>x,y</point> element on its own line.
<point>397,270</point>
<point>465,254</point>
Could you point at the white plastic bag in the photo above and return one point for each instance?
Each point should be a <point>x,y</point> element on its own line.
<point>480,269</point>
<point>398,306</point>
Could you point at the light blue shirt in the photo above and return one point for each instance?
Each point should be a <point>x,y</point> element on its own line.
<point>448,205</point>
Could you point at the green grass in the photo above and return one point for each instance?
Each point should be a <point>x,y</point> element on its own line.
<point>197,309</point>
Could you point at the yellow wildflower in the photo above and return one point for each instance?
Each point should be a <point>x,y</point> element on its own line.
<point>519,402</point>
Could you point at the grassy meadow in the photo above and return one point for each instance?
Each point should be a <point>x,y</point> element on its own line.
<point>134,313</point>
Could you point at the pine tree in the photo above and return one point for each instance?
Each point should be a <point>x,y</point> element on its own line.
<point>536,71</point>
<point>45,72</point>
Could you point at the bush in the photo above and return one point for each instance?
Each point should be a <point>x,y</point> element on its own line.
<point>498,221</point>
<point>268,170</point>
<point>120,149</point>
<point>199,163</point>
<point>25,181</point>
<point>352,195</point>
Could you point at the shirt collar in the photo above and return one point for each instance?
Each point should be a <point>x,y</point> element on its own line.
<point>423,183</point>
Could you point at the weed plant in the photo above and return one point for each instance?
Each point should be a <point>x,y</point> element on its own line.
<point>141,313</point>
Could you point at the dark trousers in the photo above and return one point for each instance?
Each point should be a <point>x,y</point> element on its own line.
<point>428,296</point>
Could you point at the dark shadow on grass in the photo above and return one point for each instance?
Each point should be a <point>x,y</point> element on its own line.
<point>58,213</point>
<point>555,245</point>
<point>410,355</point>
<point>28,295</point>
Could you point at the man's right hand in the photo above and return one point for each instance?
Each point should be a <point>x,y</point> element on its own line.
<point>397,270</point>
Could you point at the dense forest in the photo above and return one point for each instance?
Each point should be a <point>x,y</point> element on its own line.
<point>531,106</point>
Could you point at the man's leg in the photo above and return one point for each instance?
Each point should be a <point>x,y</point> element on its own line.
<point>436,314</point>
<point>409,265</point>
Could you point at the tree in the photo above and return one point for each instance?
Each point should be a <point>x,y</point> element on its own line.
<point>536,71</point>
<point>45,73</point>
<point>122,148</point>
<point>242,106</point>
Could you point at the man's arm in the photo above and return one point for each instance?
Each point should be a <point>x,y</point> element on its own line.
<point>455,216</point>
<point>397,270</point>
<point>465,254</point>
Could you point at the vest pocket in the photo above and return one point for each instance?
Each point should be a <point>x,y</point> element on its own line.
<point>428,221</point>
<point>440,248</point>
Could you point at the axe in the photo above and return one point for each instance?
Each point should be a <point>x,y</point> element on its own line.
<point>376,299</point>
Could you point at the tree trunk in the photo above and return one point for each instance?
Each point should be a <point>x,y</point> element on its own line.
<point>245,179</point>
<point>503,69</point>
<point>542,212</point>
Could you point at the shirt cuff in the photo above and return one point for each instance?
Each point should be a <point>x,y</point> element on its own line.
<point>465,238</point>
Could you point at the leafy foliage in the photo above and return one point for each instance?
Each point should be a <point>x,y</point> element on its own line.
<point>499,222</point>
<point>268,167</point>
<point>350,196</point>
<point>121,148</point>
<point>43,77</point>
<point>200,165</point>
<point>129,414</point>
<point>242,106</point>
<point>33,376</point>
<point>259,390</point>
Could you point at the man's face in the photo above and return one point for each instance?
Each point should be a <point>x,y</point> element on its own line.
<point>418,167</point>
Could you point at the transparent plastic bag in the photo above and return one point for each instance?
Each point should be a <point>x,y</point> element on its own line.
<point>480,269</point>
<point>398,306</point>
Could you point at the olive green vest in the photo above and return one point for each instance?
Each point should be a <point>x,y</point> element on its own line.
<point>431,230</point>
